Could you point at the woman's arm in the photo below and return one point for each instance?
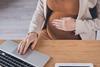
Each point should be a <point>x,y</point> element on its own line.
<point>38,18</point>
<point>85,26</point>
<point>88,25</point>
<point>35,26</point>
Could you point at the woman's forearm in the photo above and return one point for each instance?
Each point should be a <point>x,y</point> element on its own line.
<point>38,18</point>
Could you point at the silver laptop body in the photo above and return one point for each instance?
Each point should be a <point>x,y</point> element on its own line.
<point>34,58</point>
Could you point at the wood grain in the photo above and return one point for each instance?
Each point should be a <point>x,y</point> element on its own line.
<point>70,51</point>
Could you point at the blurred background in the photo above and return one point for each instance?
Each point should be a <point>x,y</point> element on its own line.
<point>15,17</point>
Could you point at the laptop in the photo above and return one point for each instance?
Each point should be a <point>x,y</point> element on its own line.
<point>73,65</point>
<point>9,57</point>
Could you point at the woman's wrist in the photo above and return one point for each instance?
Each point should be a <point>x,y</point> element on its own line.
<point>33,33</point>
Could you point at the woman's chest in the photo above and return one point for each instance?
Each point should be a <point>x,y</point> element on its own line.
<point>63,5</point>
<point>63,8</point>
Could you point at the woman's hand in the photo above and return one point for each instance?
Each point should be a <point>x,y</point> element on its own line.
<point>65,24</point>
<point>31,38</point>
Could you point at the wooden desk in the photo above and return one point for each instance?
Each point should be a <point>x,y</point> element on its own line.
<point>70,51</point>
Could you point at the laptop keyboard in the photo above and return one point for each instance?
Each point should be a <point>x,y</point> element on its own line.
<point>7,60</point>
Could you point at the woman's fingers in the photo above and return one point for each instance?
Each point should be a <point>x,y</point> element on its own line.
<point>21,47</point>
<point>18,48</point>
<point>59,24</point>
<point>24,45</point>
<point>28,43</point>
<point>59,27</point>
<point>56,22</point>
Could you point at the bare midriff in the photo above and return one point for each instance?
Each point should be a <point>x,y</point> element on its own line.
<point>61,9</point>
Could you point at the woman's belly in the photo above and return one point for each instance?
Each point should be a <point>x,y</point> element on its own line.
<point>60,34</point>
<point>61,9</point>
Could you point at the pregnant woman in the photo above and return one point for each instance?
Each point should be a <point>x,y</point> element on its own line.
<point>62,20</point>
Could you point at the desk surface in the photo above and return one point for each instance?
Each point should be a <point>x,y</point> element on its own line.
<point>70,51</point>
